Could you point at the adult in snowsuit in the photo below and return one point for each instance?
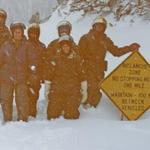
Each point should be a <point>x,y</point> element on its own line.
<point>4,31</point>
<point>37,58</point>
<point>93,47</point>
<point>14,75</point>
<point>66,74</point>
<point>63,27</point>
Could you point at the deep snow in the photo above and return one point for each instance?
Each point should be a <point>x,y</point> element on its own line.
<point>97,129</point>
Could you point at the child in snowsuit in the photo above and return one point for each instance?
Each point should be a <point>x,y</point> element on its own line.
<point>66,74</point>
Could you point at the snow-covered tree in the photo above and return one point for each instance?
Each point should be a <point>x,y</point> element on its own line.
<point>119,8</point>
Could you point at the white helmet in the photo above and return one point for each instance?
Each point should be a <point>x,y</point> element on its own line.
<point>99,19</point>
<point>64,23</point>
<point>64,37</point>
<point>34,25</point>
<point>17,24</point>
<point>34,28</point>
<point>3,13</point>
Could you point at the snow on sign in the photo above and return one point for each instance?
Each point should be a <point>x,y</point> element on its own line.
<point>128,86</point>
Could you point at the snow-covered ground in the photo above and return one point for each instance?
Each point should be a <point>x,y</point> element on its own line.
<point>97,129</point>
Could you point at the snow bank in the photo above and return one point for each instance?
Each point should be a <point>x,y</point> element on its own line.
<point>97,129</point>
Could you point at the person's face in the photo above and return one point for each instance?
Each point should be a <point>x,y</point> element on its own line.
<point>66,49</point>
<point>99,27</point>
<point>18,34</point>
<point>64,29</point>
<point>2,20</point>
<point>33,36</point>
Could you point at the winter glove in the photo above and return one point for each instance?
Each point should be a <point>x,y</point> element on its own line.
<point>134,46</point>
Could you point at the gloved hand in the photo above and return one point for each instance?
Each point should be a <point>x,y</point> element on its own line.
<point>134,46</point>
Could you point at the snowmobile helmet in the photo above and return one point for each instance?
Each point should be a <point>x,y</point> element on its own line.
<point>65,39</point>
<point>64,27</point>
<point>100,20</point>
<point>17,25</point>
<point>34,28</point>
<point>65,44</point>
<point>3,13</point>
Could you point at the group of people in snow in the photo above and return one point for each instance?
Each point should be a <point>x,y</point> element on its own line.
<point>26,63</point>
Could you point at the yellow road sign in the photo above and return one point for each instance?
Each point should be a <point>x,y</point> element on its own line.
<point>128,86</point>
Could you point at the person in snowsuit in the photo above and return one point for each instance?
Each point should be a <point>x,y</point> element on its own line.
<point>14,73</point>
<point>93,47</point>
<point>4,31</point>
<point>63,27</point>
<point>37,58</point>
<point>66,74</point>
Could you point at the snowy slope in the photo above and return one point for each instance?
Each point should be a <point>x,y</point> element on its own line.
<point>97,129</point>
<point>122,33</point>
<point>22,10</point>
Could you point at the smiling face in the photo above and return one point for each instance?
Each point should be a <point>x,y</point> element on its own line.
<point>65,47</point>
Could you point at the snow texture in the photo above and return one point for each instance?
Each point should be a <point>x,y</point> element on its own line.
<point>97,129</point>
<point>22,10</point>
